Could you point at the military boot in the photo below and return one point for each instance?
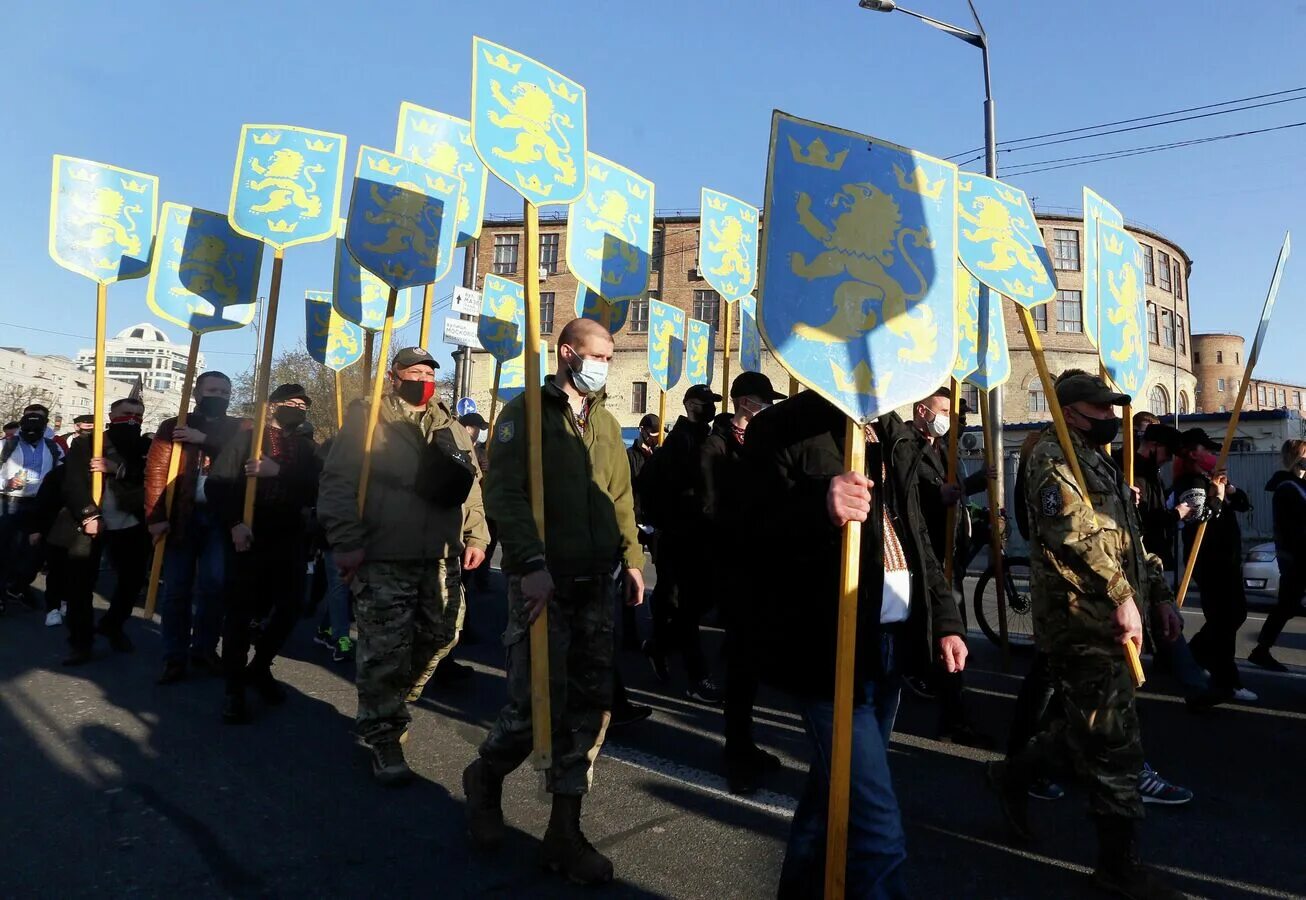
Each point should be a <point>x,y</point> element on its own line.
<point>567,851</point>
<point>1010,782</point>
<point>1118,868</point>
<point>484,791</point>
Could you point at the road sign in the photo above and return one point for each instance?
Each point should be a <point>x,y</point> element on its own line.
<point>466,406</point>
<point>466,301</point>
<point>461,332</point>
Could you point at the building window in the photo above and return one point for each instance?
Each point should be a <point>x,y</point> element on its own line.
<point>1260,395</point>
<point>549,252</point>
<point>1070,317</point>
<point>658,242</point>
<point>707,307</point>
<point>1183,403</point>
<point>1296,399</point>
<point>1179,332</point>
<point>1149,271</point>
<point>970,397</point>
<point>1283,397</point>
<point>639,315</point>
<point>1167,329</point>
<point>1038,401</point>
<point>1178,281</point>
<point>1197,358</point>
<point>546,312</point>
<point>1224,408</point>
<point>1163,269</point>
<point>1065,249</point>
<point>1152,335</point>
<point>697,238</point>
<point>1237,358</point>
<point>1159,400</point>
<point>1040,317</point>
<point>505,253</point>
<point>1219,384</point>
<point>1219,356</point>
<point>638,396</point>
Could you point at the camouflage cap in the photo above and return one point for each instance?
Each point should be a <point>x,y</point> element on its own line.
<point>1085,388</point>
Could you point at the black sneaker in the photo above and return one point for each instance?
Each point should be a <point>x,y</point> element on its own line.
<point>658,661</point>
<point>173,672</point>
<point>1261,657</point>
<point>629,714</point>
<point>388,764</point>
<point>705,691</point>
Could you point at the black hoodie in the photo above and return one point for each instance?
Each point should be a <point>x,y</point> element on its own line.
<point>1289,536</point>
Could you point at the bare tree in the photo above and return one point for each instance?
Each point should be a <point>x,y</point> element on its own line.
<point>14,397</point>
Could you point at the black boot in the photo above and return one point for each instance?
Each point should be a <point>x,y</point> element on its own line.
<point>260,678</point>
<point>1118,867</point>
<point>483,788</point>
<point>565,848</point>
<point>1011,782</point>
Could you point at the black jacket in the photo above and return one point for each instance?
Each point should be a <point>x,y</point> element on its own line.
<point>931,470</point>
<point>280,501</point>
<point>127,484</point>
<point>1289,530</point>
<point>668,483</point>
<point>722,483</point>
<point>793,451</point>
<point>1219,562</point>
<point>1159,520</point>
<point>636,456</point>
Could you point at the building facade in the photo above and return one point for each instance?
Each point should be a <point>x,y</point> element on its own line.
<point>142,352</point>
<point>1219,361</point>
<point>68,391</point>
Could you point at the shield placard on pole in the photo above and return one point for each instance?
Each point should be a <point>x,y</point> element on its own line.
<point>1095,210</point>
<point>968,329</point>
<point>999,241</point>
<point>666,344</point>
<point>360,297</point>
<point>332,340</point>
<point>727,244</point>
<point>699,357</point>
<point>503,318</point>
<point>102,219</point>
<point>1122,319</point>
<point>206,275</point>
<point>610,231</point>
<point>611,316</point>
<point>750,340</point>
<point>286,187</point>
<point>444,143</point>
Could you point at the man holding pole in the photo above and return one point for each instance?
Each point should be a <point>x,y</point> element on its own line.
<point>421,525</point>
<point>1090,574</point>
<point>589,521</point>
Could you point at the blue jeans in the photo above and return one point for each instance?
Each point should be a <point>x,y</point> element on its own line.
<point>876,844</point>
<point>337,598</point>
<point>193,573</point>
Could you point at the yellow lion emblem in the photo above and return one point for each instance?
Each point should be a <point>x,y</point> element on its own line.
<point>281,177</point>
<point>104,210</point>
<point>728,242</point>
<point>207,270</point>
<point>967,317</point>
<point>660,341</point>
<point>1125,314</point>
<point>531,113</point>
<point>995,226</point>
<point>409,217</point>
<point>861,245</point>
<point>613,216</point>
<point>697,369</point>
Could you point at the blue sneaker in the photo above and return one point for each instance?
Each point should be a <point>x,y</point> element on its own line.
<point>1043,789</point>
<point>1155,789</point>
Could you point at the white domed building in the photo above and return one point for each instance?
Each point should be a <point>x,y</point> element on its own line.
<point>142,352</point>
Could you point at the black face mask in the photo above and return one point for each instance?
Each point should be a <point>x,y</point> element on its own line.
<point>700,410</point>
<point>289,418</point>
<point>1102,431</point>
<point>212,407</point>
<point>124,434</point>
<point>32,426</point>
<point>415,393</point>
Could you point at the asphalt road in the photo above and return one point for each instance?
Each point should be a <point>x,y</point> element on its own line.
<point>113,785</point>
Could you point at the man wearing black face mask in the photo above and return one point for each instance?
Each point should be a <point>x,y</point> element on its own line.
<point>265,563</point>
<point>25,461</point>
<point>195,553</point>
<point>115,525</point>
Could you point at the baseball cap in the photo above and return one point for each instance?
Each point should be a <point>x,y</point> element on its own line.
<point>754,384</point>
<point>1197,437</point>
<point>1166,435</point>
<point>413,356</point>
<point>83,420</point>
<point>650,422</point>
<point>1085,388</point>
<point>702,392</point>
<point>290,391</point>
<point>473,420</point>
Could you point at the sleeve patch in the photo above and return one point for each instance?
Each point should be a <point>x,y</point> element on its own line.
<point>505,432</point>
<point>1050,500</point>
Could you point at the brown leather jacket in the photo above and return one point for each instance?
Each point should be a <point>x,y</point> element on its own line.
<point>195,461</point>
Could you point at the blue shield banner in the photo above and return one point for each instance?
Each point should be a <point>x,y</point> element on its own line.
<point>993,362</point>
<point>1095,210</point>
<point>332,340</point>
<point>999,240</point>
<point>750,341</point>
<point>205,275</point>
<point>727,244</point>
<point>501,328</point>
<point>444,143</point>
<point>1122,341</point>
<point>512,379</point>
<point>590,305</point>
<point>666,343</point>
<point>528,124</point>
<point>858,295</point>
<point>286,189</point>
<point>699,357</point>
<point>968,291</point>
<point>1263,328</point>
<point>102,219</point>
<point>360,297</point>
<point>401,218</point>
<point>610,231</point>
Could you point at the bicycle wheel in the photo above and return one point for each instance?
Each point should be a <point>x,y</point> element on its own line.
<point>1020,613</point>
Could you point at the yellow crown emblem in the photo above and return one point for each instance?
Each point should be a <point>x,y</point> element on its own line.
<point>181,216</point>
<point>1008,197</point>
<point>281,226</point>
<point>465,137</point>
<point>748,216</point>
<point>383,165</point>
<point>1113,245</point>
<point>598,173</point>
<point>716,203</point>
<point>918,183</point>
<point>267,138</point>
<point>534,184</point>
<point>319,146</point>
<point>424,126</point>
<point>638,191</point>
<point>559,88</point>
<point>860,380</point>
<point>817,154</point>
<point>500,61</point>
<point>439,185</point>
<point>965,187</point>
<point>81,175</point>
<point>105,263</point>
<point>134,186</point>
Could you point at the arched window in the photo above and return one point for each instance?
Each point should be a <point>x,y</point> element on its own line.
<point>1158,400</point>
<point>1183,403</point>
<point>1038,401</point>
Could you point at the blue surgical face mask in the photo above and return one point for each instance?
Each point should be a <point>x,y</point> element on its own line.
<point>591,376</point>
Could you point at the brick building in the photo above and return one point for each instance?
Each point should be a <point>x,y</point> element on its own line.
<point>1219,361</point>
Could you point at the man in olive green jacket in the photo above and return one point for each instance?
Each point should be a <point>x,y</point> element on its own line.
<point>422,524</point>
<point>589,540</point>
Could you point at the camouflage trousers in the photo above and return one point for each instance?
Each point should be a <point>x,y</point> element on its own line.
<point>580,683</point>
<point>409,615</point>
<point>1097,736</point>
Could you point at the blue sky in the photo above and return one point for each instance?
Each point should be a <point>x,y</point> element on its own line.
<point>680,91</point>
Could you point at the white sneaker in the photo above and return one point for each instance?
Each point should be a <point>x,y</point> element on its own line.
<point>1242,694</point>
<point>53,619</point>
<point>63,609</point>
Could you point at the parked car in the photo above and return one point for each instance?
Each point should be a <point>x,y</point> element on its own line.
<point>1260,570</point>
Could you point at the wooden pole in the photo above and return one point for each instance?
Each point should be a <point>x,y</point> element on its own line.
<point>97,437</point>
<point>374,409</point>
<point>1067,448</point>
<point>261,386</point>
<point>725,357</point>
<point>368,338</point>
<point>794,386</point>
<point>1127,445</point>
<point>954,441</point>
<point>428,300</point>
<point>340,403</point>
<point>541,714</point>
<point>662,416</point>
<point>175,454</point>
<point>841,743</point>
<point>494,395</point>
<point>992,458</point>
